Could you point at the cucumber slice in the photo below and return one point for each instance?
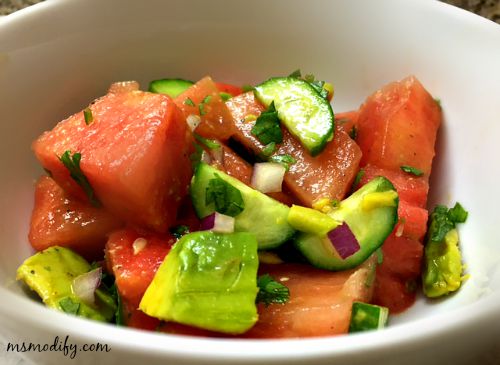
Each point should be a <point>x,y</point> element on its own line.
<point>371,213</point>
<point>262,215</point>
<point>171,87</point>
<point>366,317</point>
<point>305,113</point>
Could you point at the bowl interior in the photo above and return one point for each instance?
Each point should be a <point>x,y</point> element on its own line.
<point>57,57</point>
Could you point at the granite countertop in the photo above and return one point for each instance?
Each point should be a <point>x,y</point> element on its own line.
<point>488,8</point>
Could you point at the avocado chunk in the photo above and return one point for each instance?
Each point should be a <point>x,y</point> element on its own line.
<point>370,213</point>
<point>50,274</point>
<point>208,280</point>
<point>257,213</point>
<point>442,273</point>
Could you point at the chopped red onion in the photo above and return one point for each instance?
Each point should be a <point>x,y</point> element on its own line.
<point>85,285</point>
<point>268,177</point>
<point>217,222</point>
<point>343,240</point>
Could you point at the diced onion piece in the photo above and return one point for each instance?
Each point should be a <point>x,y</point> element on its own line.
<point>85,285</point>
<point>139,245</point>
<point>344,241</point>
<point>217,222</point>
<point>268,177</point>
<point>193,121</point>
<point>123,87</point>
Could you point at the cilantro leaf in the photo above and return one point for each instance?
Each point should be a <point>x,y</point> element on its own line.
<point>69,306</point>
<point>270,291</point>
<point>357,179</point>
<point>285,160</point>
<point>189,102</point>
<point>208,143</point>
<point>226,198</point>
<point>179,231</point>
<point>458,214</point>
<point>353,133</point>
<point>201,106</point>
<point>195,157</point>
<point>443,220</point>
<point>268,150</point>
<point>297,74</point>
<point>267,127</point>
<point>412,170</point>
<point>225,96</point>
<point>72,163</point>
<point>87,114</point>
<point>247,88</point>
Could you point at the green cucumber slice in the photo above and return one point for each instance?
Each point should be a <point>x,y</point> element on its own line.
<point>305,113</point>
<point>366,317</point>
<point>170,87</point>
<point>371,218</point>
<point>262,215</point>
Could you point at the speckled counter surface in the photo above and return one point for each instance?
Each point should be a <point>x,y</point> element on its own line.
<point>488,8</point>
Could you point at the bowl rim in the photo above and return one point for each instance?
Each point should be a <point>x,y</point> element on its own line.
<point>424,330</point>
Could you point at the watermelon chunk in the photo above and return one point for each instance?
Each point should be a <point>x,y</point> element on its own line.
<point>412,221</point>
<point>328,175</point>
<point>411,189</point>
<point>320,301</point>
<point>203,99</point>
<point>397,126</point>
<point>229,89</point>
<point>134,154</point>
<point>397,276</point>
<point>62,220</point>
<point>134,271</point>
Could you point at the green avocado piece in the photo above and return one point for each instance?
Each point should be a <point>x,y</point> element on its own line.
<point>208,280</point>
<point>50,274</point>
<point>365,317</point>
<point>443,266</point>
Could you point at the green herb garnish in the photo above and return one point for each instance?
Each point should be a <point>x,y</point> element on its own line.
<point>72,163</point>
<point>189,102</point>
<point>195,157</point>
<point>380,256</point>
<point>268,150</point>
<point>225,96</point>
<point>357,179</point>
<point>444,220</point>
<point>179,231</point>
<point>208,143</point>
<point>270,291</point>
<point>296,74</point>
<point>226,198</point>
<point>201,106</point>
<point>285,160</point>
<point>267,126</point>
<point>87,115</point>
<point>69,306</point>
<point>353,133</point>
<point>412,170</point>
<point>247,88</point>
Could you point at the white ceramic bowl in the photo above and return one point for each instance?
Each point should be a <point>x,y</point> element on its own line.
<point>57,56</point>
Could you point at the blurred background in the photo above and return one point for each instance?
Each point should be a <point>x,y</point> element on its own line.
<point>487,8</point>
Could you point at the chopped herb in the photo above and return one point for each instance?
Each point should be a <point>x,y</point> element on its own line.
<point>179,231</point>
<point>269,149</point>
<point>72,163</point>
<point>87,114</point>
<point>267,127</point>
<point>225,96</point>
<point>357,179</point>
<point>226,198</point>
<point>353,133</point>
<point>247,88</point>
<point>444,220</point>
<point>270,291</point>
<point>438,102</point>
<point>189,102</point>
<point>309,78</point>
<point>412,170</point>
<point>119,318</point>
<point>297,74</point>
<point>335,203</point>
<point>195,157</point>
<point>458,214</point>
<point>69,306</point>
<point>208,143</point>
<point>201,106</point>
<point>319,87</point>
<point>285,160</point>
